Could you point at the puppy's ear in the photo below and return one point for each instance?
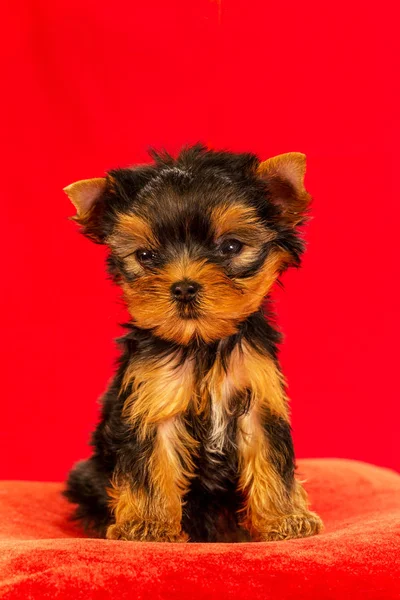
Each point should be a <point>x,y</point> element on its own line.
<point>284,175</point>
<point>84,194</point>
<point>91,199</point>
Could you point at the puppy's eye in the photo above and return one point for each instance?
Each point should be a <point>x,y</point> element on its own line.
<point>230,247</point>
<point>145,257</point>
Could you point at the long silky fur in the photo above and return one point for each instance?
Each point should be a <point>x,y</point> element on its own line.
<point>194,439</point>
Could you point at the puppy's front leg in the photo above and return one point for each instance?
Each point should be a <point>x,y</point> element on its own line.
<point>151,510</point>
<point>275,503</point>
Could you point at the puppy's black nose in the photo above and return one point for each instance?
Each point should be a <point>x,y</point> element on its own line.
<point>185,291</point>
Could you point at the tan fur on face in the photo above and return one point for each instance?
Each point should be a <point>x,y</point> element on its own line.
<point>236,219</point>
<point>224,302</point>
<point>137,227</point>
<point>240,222</point>
<point>133,232</point>
<point>258,286</point>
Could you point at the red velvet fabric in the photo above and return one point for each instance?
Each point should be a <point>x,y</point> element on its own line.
<point>357,556</point>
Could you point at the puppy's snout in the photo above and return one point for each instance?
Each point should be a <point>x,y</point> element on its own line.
<point>185,291</point>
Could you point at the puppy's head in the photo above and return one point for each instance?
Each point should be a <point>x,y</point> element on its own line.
<point>196,242</point>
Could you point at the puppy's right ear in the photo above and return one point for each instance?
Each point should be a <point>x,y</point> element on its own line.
<point>84,194</point>
<point>90,198</point>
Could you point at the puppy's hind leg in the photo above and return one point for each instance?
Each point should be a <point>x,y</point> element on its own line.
<point>86,486</point>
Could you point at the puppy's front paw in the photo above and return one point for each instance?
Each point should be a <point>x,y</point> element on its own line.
<point>298,525</point>
<point>145,532</point>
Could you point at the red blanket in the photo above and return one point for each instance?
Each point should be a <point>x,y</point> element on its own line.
<point>357,556</point>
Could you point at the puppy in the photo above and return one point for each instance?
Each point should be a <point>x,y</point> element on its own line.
<point>194,440</point>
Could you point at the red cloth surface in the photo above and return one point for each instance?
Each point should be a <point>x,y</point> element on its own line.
<point>357,556</point>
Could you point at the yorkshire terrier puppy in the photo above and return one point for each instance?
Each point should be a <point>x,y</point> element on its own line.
<point>194,441</point>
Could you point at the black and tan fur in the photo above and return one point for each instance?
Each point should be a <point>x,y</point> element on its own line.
<point>194,440</point>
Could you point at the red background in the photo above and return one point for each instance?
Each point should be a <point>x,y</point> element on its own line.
<point>89,85</point>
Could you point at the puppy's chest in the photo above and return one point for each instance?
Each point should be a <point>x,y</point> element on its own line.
<point>163,388</point>
<point>213,390</point>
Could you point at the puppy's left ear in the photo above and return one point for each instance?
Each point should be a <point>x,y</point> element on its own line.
<point>284,175</point>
